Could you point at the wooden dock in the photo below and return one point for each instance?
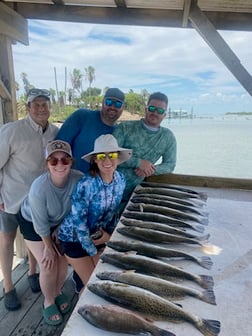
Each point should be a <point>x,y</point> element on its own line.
<point>28,320</point>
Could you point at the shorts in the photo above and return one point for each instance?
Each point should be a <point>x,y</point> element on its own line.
<point>27,229</point>
<point>8,222</point>
<point>75,249</point>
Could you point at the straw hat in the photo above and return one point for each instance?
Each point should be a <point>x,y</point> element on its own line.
<point>106,143</point>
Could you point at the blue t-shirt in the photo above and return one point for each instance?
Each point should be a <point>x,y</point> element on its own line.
<point>80,130</point>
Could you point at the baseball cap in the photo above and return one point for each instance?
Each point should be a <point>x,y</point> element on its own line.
<point>34,93</point>
<point>115,93</point>
<point>57,146</point>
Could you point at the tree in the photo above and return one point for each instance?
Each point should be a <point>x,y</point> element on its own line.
<point>90,77</point>
<point>27,85</point>
<point>76,80</point>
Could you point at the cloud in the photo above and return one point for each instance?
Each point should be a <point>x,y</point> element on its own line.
<point>175,61</point>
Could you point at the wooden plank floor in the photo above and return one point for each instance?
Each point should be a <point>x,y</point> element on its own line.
<point>28,320</point>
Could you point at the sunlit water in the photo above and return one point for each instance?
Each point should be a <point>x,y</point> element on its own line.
<point>213,147</point>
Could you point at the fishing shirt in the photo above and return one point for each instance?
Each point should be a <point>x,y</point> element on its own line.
<point>80,130</point>
<point>46,204</point>
<point>22,159</point>
<point>146,145</point>
<point>94,203</point>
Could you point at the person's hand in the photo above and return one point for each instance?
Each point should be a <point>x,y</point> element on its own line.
<point>104,238</point>
<point>146,169</point>
<point>49,255</point>
<point>1,206</point>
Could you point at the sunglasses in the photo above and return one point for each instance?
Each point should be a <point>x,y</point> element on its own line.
<point>159,110</point>
<point>111,156</point>
<point>109,102</point>
<point>53,161</point>
<point>42,92</point>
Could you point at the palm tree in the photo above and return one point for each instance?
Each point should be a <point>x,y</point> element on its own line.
<point>76,80</point>
<point>90,77</point>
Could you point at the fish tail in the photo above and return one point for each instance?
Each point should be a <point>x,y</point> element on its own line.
<point>206,281</point>
<point>209,297</point>
<point>198,227</point>
<point>204,220</point>
<point>205,262</point>
<point>163,332</point>
<point>204,238</point>
<point>209,327</point>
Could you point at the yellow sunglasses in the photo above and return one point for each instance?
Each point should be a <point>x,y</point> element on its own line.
<point>111,156</point>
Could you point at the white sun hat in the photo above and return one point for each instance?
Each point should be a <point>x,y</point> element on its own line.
<point>107,143</point>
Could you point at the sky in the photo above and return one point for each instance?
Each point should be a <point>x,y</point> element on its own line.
<point>177,62</point>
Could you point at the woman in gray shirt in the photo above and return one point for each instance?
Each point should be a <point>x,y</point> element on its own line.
<point>48,202</point>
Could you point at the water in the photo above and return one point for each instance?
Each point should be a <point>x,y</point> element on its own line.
<point>213,147</point>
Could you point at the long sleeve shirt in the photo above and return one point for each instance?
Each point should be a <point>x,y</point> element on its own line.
<point>94,204</point>
<point>80,130</point>
<point>22,159</point>
<point>47,205</point>
<point>151,145</point>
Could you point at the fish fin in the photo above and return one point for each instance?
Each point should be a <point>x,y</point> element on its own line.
<point>163,332</point>
<point>209,327</point>
<point>209,297</point>
<point>205,262</point>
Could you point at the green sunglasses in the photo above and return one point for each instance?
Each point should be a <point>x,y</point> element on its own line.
<point>159,110</point>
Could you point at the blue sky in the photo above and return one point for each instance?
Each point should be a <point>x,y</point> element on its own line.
<point>177,62</point>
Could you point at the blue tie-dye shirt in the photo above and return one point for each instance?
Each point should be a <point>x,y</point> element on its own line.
<point>94,203</point>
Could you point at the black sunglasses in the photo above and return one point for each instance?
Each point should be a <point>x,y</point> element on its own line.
<point>53,161</point>
<point>159,110</point>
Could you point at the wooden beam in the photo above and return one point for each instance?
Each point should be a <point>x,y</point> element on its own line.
<point>4,93</point>
<point>203,181</point>
<point>208,32</point>
<point>13,25</point>
<point>187,6</point>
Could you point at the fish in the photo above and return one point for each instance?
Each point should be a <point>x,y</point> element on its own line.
<point>145,302</point>
<point>154,217</point>
<point>146,265</point>
<point>158,286</point>
<point>171,192</point>
<point>159,227</point>
<point>151,250</point>
<point>117,319</point>
<point>167,203</point>
<point>171,186</point>
<point>156,236</point>
<point>195,202</point>
<point>167,212</point>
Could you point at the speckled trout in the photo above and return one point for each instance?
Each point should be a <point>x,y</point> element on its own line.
<point>160,227</point>
<point>156,236</point>
<point>154,267</point>
<point>156,217</point>
<point>158,286</point>
<point>163,210</point>
<point>116,319</point>
<point>155,251</point>
<point>146,302</point>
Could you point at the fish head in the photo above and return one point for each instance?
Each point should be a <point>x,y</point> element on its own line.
<point>106,275</point>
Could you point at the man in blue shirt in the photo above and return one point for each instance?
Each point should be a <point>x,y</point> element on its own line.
<point>83,126</point>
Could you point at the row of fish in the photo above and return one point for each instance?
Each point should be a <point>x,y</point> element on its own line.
<point>160,214</point>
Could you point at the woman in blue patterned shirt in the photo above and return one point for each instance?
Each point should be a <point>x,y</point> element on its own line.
<point>91,221</point>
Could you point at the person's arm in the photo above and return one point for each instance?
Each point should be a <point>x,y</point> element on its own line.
<point>70,128</point>
<point>169,156</point>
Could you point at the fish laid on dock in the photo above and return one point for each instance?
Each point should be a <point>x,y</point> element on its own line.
<point>158,286</point>
<point>172,186</point>
<point>158,226</point>
<point>150,266</point>
<point>155,217</point>
<point>117,319</point>
<point>146,302</point>
<point>169,204</point>
<point>155,236</point>
<point>167,212</point>
<point>151,250</point>
<point>171,192</point>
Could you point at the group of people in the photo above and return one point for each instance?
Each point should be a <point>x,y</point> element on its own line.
<point>66,188</point>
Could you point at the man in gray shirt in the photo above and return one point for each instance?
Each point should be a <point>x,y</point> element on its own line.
<point>22,151</point>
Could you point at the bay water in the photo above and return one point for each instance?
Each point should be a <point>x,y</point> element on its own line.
<point>219,146</point>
